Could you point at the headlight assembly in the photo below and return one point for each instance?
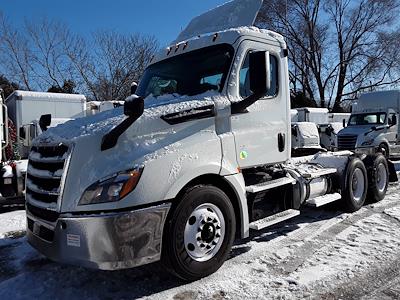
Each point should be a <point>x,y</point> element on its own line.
<point>368,142</point>
<point>111,189</point>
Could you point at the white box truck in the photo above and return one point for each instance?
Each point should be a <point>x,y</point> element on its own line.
<point>25,109</point>
<point>373,125</point>
<point>200,155</point>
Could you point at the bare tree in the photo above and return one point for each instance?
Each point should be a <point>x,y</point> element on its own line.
<point>120,60</point>
<point>46,54</point>
<point>15,54</point>
<point>337,47</point>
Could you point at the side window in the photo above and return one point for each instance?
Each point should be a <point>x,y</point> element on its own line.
<point>244,78</point>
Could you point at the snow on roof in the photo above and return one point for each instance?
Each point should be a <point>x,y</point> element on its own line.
<point>314,109</point>
<point>232,14</point>
<point>47,96</point>
<point>227,36</point>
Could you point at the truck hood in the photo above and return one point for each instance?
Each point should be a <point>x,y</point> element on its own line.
<point>144,143</point>
<point>100,124</point>
<point>355,130</point>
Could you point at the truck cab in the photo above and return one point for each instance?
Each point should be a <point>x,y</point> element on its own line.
<point>373,125</point>
<point>197,157</point>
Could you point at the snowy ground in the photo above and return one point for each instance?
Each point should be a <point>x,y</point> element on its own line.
<point>323,254</point>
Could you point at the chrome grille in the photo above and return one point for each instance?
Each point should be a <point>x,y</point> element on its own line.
<point>45,169</point>
<point>347,142</point>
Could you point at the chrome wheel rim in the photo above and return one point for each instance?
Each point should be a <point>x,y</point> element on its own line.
<point>358,185</point>
<point>204,232</point>
<point>381,180</point>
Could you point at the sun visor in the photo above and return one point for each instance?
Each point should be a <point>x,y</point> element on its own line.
<point>232,14</point>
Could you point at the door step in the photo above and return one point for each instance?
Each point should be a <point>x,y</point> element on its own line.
<point>267,185</point>
<point>322,200</point>
<point>274,219</point>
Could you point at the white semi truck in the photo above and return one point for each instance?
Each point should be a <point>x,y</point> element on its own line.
<point>200,155</point>
<point>373,125</point>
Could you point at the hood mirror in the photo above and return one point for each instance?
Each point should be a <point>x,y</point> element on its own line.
<point>134,106</point>
<point>133,109</point>
<point>134,87</point>
<point>44,122</point>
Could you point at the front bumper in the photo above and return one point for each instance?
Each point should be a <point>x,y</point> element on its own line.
<point>104,241</point>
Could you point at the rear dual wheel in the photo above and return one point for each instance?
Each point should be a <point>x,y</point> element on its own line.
<point>378,177</point>
<point>355,185</point>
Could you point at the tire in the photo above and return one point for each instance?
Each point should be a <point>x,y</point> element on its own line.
<point>199,233</point>
<point>384,150</point>
<point>378,177</point>
<point>355,185</point>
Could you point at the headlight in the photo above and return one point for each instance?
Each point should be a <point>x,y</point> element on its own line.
<point>112,188</point>
<point>368,142</point>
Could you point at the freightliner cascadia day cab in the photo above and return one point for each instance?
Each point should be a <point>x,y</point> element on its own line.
<point>373,125</point>
<point>200,155</point>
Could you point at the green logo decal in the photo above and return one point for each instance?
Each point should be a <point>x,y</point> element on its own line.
<point>243,155</point>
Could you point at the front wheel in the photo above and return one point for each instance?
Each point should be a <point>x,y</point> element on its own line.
<point>355,185</point>
<point>199,234</point>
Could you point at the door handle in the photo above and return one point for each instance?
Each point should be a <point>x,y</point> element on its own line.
<point>281,142</point>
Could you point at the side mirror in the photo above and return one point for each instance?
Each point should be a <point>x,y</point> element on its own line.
<point>394,121</point>
<point>260,72</point>
<point>22,132</point>
<point>29,134</point>
<point>294,130</point>
<point>134,86</point>
<point>134,106</point>
<point>44,122</point>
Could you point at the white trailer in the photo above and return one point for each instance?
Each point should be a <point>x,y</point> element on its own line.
<point>200,156</point>
<point>25,109</point>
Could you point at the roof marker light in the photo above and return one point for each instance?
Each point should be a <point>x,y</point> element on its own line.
<point>185,45</point>
<point>177,47</point>
<point>169,50</point>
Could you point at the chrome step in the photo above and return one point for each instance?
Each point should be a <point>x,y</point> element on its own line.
<point>274,219</point>
<point>322,200</point>
<point>267,185</point>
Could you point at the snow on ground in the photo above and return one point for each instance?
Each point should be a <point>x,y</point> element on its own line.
<point>321,254</point>
<point>11,222</point>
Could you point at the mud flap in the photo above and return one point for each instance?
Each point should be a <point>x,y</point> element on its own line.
<point>392,172</point>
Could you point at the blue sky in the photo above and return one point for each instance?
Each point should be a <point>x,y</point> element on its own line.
<point>161,18</point>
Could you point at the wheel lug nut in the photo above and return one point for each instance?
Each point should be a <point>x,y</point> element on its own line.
<point>218,227</point>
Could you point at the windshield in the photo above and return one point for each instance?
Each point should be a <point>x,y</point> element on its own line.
<point>188,74</point>
<point>368,119</point>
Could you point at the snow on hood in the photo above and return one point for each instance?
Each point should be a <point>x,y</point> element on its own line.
<point>232,14</point>
<point>308,129</point>
<point>356,130</point>
<point>103,122</point>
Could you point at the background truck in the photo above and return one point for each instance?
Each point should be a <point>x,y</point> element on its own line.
<point>200,155</point>
<point>373,125</point>
<point>24,110</point>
